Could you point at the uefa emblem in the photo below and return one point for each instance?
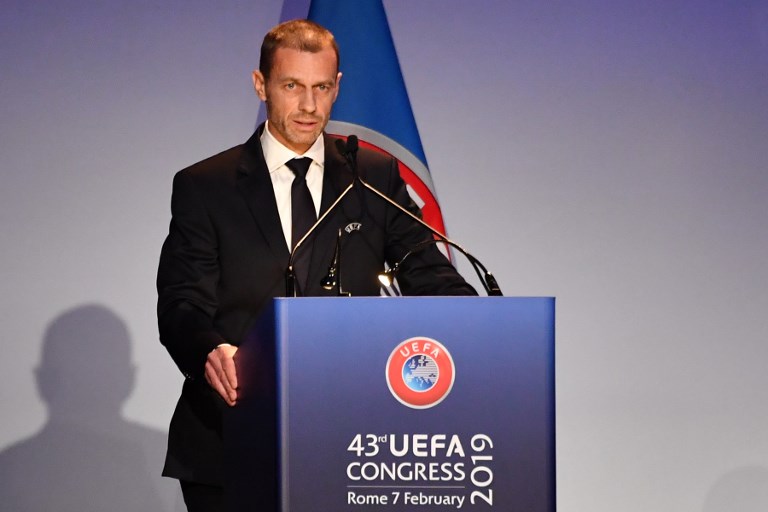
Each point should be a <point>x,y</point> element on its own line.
<point>420,372</point>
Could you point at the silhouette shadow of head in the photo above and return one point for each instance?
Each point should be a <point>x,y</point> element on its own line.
<point>87,457</point>
<point>85,374</point>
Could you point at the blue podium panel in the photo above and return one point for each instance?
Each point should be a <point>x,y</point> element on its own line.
<point>398,404</point>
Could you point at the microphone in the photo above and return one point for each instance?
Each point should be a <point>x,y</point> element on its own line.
<point>350,153</point>
<point>486,278</point>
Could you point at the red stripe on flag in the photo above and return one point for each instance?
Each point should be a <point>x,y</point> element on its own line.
<point>430,211</point>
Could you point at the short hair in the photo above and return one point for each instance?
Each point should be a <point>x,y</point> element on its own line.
<point>302,35</point>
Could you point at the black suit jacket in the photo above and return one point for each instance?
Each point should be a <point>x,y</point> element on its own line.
<point>225,258</point>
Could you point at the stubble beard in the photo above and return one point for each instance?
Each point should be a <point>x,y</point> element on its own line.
<point>294,137</point>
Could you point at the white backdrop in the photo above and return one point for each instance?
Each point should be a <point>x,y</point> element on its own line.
<point>609,153</point>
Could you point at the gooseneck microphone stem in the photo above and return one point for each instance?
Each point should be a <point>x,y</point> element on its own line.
<point>349,150</point>
<point>486,278</point>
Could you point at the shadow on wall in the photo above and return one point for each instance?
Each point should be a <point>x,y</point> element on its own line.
<point>87,457</point>
<point>744,489</point>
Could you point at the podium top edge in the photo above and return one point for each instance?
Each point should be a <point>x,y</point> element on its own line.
<point>422,297</point>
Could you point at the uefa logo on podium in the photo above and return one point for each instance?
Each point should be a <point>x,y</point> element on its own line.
<point>420,372</point>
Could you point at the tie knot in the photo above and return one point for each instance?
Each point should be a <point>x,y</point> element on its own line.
<point>299,166</point>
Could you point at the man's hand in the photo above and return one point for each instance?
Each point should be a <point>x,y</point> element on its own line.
<point>220,372</point>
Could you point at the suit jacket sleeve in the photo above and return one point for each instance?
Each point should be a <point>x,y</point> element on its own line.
<point>187,279</point>
<point>428,271</point>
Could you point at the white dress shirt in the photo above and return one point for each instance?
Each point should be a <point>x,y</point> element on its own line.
<point>276,155</point>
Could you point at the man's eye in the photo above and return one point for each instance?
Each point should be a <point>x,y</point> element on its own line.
<point>322,87</point>
<point>290,86</point>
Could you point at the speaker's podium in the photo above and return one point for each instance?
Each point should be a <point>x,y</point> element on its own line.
<point>393,404</point>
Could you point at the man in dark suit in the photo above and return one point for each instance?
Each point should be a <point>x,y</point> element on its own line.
<point>233,223</point>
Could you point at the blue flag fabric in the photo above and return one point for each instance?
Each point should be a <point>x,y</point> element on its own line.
<point>373,101</point>
<point>373,90</point>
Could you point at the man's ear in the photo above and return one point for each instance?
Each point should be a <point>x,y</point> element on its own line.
<point>259,85</point>
<point>338,82</point>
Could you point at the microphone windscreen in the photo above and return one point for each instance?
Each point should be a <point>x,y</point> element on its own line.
<point>352,144</point>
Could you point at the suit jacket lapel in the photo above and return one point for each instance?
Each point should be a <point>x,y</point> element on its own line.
<point>254,183</point>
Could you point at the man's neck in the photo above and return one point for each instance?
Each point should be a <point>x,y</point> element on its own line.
<point>277,153</point>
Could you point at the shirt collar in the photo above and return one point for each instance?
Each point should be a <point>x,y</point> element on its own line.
<point>276,154</point>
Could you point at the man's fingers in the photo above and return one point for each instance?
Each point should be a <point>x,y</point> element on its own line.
<point>220,372</point>
<point>214,380</point>
<point>228,365</point>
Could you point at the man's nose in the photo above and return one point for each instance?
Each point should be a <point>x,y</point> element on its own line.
<point>308,102</point>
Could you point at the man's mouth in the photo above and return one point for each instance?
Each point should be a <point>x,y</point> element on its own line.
<point>306,123</point>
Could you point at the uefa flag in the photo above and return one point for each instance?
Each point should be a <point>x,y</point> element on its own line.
<point>373,103</point>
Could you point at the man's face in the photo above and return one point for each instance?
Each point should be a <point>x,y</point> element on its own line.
<point>301,89</point>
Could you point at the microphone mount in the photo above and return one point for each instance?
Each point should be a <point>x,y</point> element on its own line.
<point>333,278</point>
<point>489,283</point>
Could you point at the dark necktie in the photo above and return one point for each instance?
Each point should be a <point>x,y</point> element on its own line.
<point>302,208</point>
<point>302,215</point>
